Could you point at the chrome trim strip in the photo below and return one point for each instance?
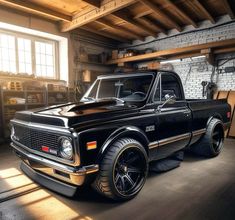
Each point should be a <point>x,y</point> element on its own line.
<point>169,140</point>
<point>153,144</point>
<point>199,132</point>
<point>37,125</point>
<point>173,139</point>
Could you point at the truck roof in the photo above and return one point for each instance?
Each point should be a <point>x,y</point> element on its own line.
<point>131,73</point>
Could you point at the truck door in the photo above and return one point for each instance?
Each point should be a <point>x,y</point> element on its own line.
<point>173,131</point>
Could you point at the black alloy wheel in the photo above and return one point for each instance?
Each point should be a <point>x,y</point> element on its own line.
<point>123,170</point>
<point>129,173</point>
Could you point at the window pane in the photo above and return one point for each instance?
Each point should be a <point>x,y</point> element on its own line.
<point>45,59</point>
<point>25,56</point>
<point>7,53</point>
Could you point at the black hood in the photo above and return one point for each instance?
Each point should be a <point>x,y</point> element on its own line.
<point>68,115</point>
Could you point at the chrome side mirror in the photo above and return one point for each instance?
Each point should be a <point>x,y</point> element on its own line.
<point>169,99</point>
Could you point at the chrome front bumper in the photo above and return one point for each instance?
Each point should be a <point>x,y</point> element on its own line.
<point>65,173</point>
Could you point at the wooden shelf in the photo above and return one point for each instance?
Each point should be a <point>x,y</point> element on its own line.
<point>92,63</point>
<point>13,91</point>
<point>218,47</point>
<point>8,105</point>
<point>57,91</point>
<point>44,93</point>
<point>35,103</point>
<point>55,103</point>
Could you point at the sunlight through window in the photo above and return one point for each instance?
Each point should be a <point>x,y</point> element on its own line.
<point>7,53</point>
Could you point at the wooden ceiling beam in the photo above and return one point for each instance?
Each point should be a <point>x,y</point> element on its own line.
<point>143,13</point>
<point>105,34</point>
<point>134,23</point>
<point>94,3</point>
<point>88,15</point>
<point>37,9</point>
<point>157,11</point>
<point>120,29</point>
<point>152,24</point>
<point>202,9</point>
<point>181,13</point>
<point>228,9</point>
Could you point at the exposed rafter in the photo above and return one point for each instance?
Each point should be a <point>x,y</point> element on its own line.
<point>228,9</point>
<point>120,29</point>
<point>136,24</point>
<point>201,8</point>
<point>94,3</point>
<point>156,10</point>
<point>105,34</point>
<point>88,15</point>
<point>36,9</point>
<point>181,13</point>
<point>153,25</point>
<point>143,13</point>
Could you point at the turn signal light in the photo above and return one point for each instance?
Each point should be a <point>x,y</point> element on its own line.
<point>228,114</point>
<point>91,145</point>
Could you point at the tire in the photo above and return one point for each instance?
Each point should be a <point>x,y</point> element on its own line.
<point>211,143</point>
<point>123,170</point>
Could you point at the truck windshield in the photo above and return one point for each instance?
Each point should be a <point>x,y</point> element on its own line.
<point>131,88</point>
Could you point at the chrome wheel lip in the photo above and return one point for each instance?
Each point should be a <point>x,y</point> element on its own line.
<point>138,184</point>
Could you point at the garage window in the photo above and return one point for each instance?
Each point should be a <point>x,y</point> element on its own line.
<point>7,53</point>
<point>25,56</point>
<point>44,59</point>
<point>28,55</point>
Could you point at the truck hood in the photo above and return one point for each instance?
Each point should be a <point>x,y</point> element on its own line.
<point>71,114</point>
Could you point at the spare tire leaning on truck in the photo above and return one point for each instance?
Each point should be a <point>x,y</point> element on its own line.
<point>211,143</point>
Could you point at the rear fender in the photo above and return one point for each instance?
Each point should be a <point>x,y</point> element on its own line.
<point>216,115</point>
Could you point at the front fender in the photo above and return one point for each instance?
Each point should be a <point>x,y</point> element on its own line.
<point>129,131</point>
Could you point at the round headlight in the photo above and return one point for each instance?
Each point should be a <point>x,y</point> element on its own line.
<point>66,148</point>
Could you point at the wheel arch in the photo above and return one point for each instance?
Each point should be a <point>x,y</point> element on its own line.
<point>215,116</point>
<point>124,132</point>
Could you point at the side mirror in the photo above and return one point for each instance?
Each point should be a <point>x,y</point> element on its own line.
<point>169,99</point>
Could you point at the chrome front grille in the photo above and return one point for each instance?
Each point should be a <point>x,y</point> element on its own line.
<point>35,139</point>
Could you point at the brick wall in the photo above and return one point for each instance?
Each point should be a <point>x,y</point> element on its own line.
<point>200,69</point>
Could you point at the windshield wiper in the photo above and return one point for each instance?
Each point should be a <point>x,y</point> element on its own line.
<point>89,98</point>
<point>115,98</point>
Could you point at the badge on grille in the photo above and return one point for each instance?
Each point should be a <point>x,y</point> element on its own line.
<point>49,150</point>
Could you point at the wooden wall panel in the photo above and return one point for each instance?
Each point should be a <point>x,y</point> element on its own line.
<point>232,127</point>
<point>223,95</point>
<point>231,99</point>
<point>215,96</point>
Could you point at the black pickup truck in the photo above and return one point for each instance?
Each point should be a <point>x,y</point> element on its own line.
<point>123,122</point>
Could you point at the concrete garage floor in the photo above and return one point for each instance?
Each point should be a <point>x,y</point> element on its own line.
<point>199,189</point>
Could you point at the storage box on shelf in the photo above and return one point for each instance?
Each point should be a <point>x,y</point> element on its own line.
<point>56,94</point>
<point>17,98</point>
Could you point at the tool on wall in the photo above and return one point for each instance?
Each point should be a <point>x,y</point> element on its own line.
<point>208,89</point>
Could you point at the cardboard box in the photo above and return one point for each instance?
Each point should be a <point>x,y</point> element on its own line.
<point>114,54</point>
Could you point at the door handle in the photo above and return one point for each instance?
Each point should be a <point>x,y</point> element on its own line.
<point>187,113</point>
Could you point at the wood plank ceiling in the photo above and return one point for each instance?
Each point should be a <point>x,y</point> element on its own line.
<point>126,20</point>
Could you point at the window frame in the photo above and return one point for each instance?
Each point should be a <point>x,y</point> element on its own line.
<point>33,39</point>
<point>159,80</point>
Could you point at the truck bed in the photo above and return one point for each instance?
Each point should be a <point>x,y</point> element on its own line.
<point>202,109</point>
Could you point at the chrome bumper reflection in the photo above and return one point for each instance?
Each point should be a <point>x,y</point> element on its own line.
<point>74,175</point>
